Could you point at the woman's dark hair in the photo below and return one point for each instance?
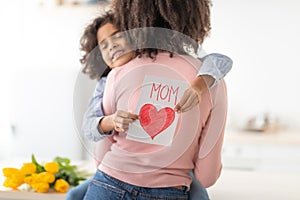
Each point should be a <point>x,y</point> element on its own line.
<point>94,65</point>
<point>189,17</point>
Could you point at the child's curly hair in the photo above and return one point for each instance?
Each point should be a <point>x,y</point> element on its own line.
<point>189,17</point>
<point>92,58</point>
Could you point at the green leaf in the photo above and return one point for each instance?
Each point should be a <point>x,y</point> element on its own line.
<point>39,168</point>
<point>69,172</point>
<point>62,161</point>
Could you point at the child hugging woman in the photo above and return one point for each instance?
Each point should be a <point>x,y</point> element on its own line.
<point>105,33</point>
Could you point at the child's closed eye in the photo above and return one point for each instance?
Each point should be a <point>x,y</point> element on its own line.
<point>102,45</point>
<point>117,35</point>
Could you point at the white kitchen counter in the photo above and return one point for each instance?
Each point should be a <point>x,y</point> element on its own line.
<point>280,137</point>
<point>17,195</point>
<point>256,185</point>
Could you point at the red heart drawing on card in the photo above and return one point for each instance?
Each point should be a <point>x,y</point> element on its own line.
<point>153,121</point>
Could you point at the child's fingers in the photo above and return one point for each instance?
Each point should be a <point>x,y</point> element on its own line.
<point>124,114</point>
<point>184,98</point>
<point>118,129</point>
<point>189,99</point>
<point>121,113</point>
<point>133,116</point>
<point>122,119</point>
<point>121,127</point>
<point>190,103</point>
<point>177,108</point>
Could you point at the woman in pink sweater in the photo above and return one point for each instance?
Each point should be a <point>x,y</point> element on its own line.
<point>152,160</point>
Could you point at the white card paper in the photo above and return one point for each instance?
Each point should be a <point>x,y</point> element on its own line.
<point>156,102</point>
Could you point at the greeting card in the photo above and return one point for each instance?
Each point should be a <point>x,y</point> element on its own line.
<point>155,107</point>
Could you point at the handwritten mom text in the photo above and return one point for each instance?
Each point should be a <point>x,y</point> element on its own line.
<point>164,92</point>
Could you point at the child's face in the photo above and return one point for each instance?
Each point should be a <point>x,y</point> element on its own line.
<point>113,46</point>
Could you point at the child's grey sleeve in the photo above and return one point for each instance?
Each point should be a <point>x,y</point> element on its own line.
<point>216,65</point>
<point>94,114</point>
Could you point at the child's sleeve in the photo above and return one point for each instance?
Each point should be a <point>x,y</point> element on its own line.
<point>215,65</point>
<point>208,163</point>
<point>94,114</point>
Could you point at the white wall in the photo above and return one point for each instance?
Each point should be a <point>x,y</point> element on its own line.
<point>39,71</point>
<point>262,38</point>
<point>42,113</point>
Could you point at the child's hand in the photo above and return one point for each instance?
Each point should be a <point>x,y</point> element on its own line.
<point>122,119</point>
<point>191,97</point>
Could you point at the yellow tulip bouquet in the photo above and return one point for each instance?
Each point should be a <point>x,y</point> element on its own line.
<point>56,175</point>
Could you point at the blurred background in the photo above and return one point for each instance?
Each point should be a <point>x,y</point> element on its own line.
<point>41,103</point>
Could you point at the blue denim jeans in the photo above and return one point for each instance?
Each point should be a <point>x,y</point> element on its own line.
<point>106,187</point>
<point>197,192</point>
<point>78,192</point>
